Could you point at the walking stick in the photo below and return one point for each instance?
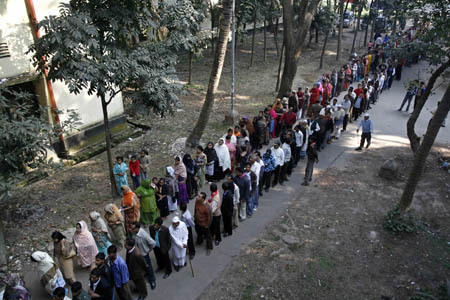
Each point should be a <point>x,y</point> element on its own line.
<point>190,262</point>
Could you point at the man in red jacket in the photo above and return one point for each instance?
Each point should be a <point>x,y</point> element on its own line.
<point>134,172</point>
<point>289,118</point>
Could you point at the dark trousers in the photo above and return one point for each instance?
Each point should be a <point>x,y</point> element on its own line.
<point>344,124</point>
<point>215,228</point>
<point>124,292</point>
<point>309,170</point>
<point>297,155</point>
<point>228,224</point>
<point>163,260</point>
<point>276,175</point>
<point>150,273</point>
<point>190,243</point>
<point>408,97</point>
<point>203,233</point>
<point>136,181</point>
<point>365,136</point>
<point>283,172</point>
<point>141,286</point>
<point>356,112</point>
<point>267,179</point>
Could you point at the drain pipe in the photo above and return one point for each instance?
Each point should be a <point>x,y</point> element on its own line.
<point>36,35</point>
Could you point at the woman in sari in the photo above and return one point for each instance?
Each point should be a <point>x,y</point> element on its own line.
<point>115,222</point>
<point>49,274</point>
<point>191,184</point>
<point>223,156</point>
<point>180,177</point>
<point>85,244</point>
<point>149,210</point>
<point>232,150</point>
<point>274,117</point>
<point>131,208</point>
<point>200,161</point>
<point>120,173</point>
<point>100,232</point>
<point>161,193</point>
<point>211,161</point>
<point>15,288</point>
<point>64,253</point>
<point>172,188</point>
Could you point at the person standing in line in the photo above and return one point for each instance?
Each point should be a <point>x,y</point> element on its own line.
<point>120,274</point>
<point>236,197</point>
<point>100,232</point>
<point>136,267</point>
<point>203,217</point>
<point>286,147</point>
<point>227,208</point>
<point>253,189</point>
<point>186,217</point>
<point>120,173</point>
<point>161,235</point>
<point>149,209</point>
<point>313,158</point>
<point>103,266</point>
<point>115,222</point>
<point>278,154</point>
<point>78,293</point>
<point>346,105</point>
<point>85,245</point>
<point>255,167</point>
<point>269,167</point>
<point>65,254</point>
<point>134,171</point>
<point>243,182</point>
<point>131,207</point>
<point>214,201</point>
<point>99,288</point>
<point>145,244</point>
<point>144,164</point>
<point>367,129</point>
<point>179,235</point>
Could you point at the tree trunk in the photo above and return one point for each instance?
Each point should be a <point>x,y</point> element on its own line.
<point>323,49</point>
<point>373,16</point>
<point>357,26</point>
<point>317,35</point>
<point>114,188</point>
<point>311,36</point>
<point>275,36</point>
<point>294,39</point>
<point>414,140</point>
<point>214,79</point>
<point>3,251</point>
<point>190,68</point>
<point>394,25</point>
<point>265,41</point>
<point>277,87</point>
<point>368,23</point>
<point>341,28</point>
<point>253,35</point>
<point>211,9</point>
<point>423,151</point>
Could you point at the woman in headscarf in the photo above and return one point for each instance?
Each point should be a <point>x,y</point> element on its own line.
<point>130,206</point>
<point>115,222</point>
<point>172,188</point>
<point>274,117</point>
<point>100,232</point>
<point>200,161</point>
<point>232,150</point>
<point>51,277</point>
<point>85,244</point>
<point>120,173</point>
<point>224,159</point>
<point>191,185</point>
<point>211,161</point>
<point>180,177</point>
<point>149,210</point>
<point>161,193</point>
<point>63,251</point>
<point>15,288</point>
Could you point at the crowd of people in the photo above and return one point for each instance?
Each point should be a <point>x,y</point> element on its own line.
<point>298,127</point>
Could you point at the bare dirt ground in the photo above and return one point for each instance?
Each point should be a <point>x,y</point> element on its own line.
<point>330,242</point>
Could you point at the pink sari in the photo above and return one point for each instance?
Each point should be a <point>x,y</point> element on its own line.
<point>274,115</point>
<point>232,149</point>
<point>86,246</point>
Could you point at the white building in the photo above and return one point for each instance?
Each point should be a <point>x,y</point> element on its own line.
<point>16,71</point>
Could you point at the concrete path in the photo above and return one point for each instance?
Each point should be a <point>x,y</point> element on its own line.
<point>389,130</point>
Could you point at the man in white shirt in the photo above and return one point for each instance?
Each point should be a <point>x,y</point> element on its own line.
<point>298,143</point>
<point>338,120</point>
<point>255,168</point>
<point>346,105</point>
<point>187,218</point>
<point>287,158</point>
<point>278,154</point>
<point>145,243</point>
<point>236,201</point>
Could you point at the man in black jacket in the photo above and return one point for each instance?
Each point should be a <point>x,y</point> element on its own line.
<point>243,182</point>
<point>99,286</point>
<point>161,235</point>
<point>313,157</point>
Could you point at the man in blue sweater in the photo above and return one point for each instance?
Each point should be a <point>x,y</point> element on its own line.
<point>367,128</point>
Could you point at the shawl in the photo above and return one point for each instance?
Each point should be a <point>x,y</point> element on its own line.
<point>231,147</point>
<point>180,170</point>
<point>211,154</point>
<point>224,156</point>
<point>129,198</point>
<point>113,214</point>
<point>189,163</point>
<point>97,222</point>
<point>85,244</point>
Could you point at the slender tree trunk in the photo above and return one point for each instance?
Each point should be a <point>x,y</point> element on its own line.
<point>414,140</point>
<point>311,36</point>
<point>368,23</point>
<point>423,151</point>
<point>346,6</point>
<point>294,40</point>
<point>214,79</point>
<point>279,69</point>
<point>211,9</point>
<point>357,26</point>
<point>265,41</point>
<point>3,251</point>
<point>317,35</point>
<point>341,28</point>
<point>372,21</point>
<point>323,49</point>
<point>275,36</point>
<point>114,188</point>
<point>190,68</point>
<point>253,35</point>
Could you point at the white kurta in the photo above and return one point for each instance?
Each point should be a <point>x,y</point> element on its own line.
<point>179,237</point>
<point>224,156</point>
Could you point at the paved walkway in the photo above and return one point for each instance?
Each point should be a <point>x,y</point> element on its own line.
<point>389,130</point>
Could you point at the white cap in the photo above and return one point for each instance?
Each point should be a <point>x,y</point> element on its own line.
<point>366,115</point>
<point>175,219</point>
